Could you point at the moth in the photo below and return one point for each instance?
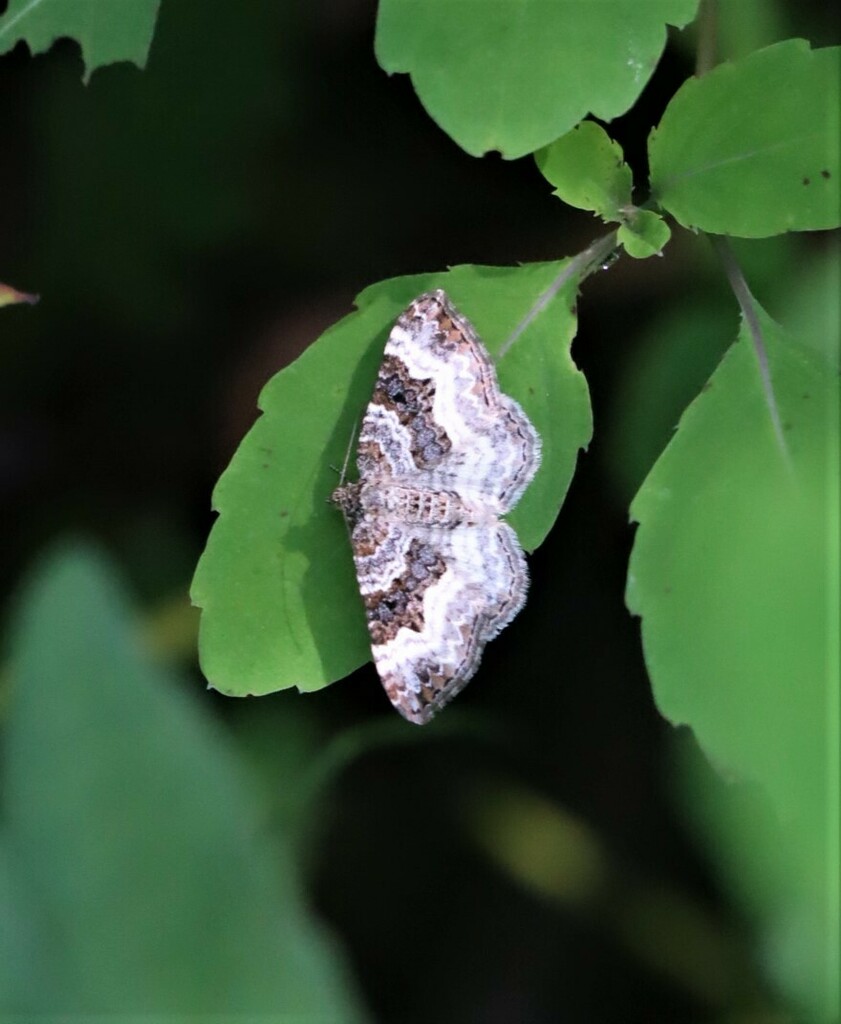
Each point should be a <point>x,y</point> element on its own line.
<point>443,454</point>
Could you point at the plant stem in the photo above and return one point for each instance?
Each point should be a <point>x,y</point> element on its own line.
<point>748,306</point>
<point>579,267</point>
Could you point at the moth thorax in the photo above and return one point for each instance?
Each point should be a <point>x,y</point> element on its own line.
<point>424,507</point>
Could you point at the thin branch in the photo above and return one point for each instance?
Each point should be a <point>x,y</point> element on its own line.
<point>707,22</point>
<point>748,306</point>
<point>581,266</point>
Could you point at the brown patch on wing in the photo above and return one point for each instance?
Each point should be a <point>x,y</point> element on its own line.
<point>456,332</point>
<point>411,401</point>
<point>401,606</point>
<point>368,538</point>
<point>419,706</point>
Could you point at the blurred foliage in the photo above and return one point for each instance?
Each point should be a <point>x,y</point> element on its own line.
<point>9,296</point>
<point>543,853</point>
<point>734,573</point>
<point>137,878</point>
<point>152,171</point>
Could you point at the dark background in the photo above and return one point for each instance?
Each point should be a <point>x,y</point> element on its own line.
<point>191,228</point>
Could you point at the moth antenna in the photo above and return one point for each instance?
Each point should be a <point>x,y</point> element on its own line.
<point>343,473</point>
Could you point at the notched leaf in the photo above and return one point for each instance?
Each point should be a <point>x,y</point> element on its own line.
<point>513,75</point>
<point>106,32</point>
<point>588,171</point>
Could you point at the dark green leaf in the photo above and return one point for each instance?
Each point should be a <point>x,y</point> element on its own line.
<point>152,174</point>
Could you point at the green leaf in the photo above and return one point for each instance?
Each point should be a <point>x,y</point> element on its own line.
<point>735,574</point>
<point>643,234</point>
<point>588,171</point>
<point>513,75</point>
<point>812,308</point>
<point>782,884</point>
<point>752,148</point>
<point>139,876</point>
<point>276,582</point>
<point>106,31</point>
<point>743,26</point>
